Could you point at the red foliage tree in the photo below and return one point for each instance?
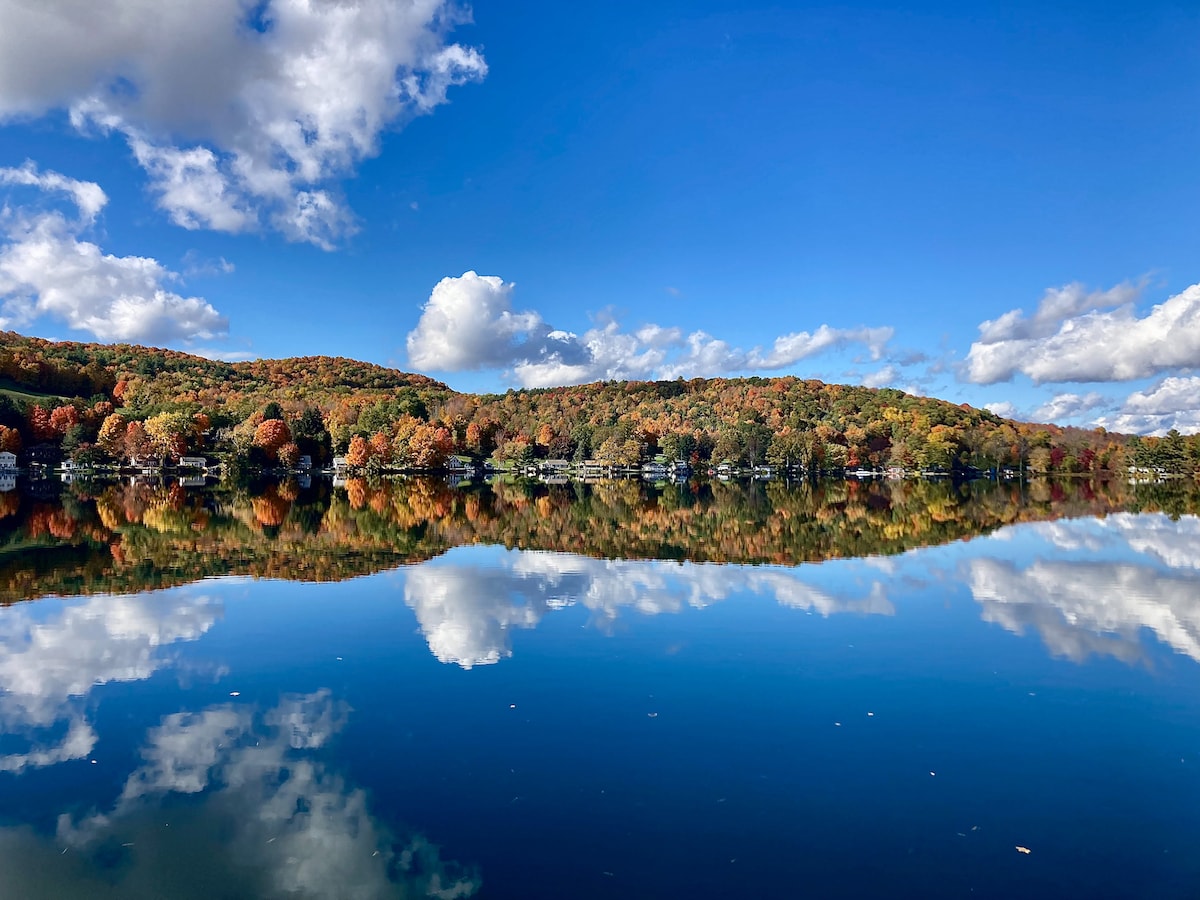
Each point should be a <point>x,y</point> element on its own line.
<point>137,442</point>
<point>270,435</point>
<point>39,423</point>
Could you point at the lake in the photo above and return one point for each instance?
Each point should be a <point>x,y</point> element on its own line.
<point>615,690</point>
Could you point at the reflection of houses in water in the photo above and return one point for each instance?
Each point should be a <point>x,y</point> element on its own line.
<point>192,481</point>
<point>304,482</point>
<point>655,471</point>
<point>339,480</point>
<point>8,481</point>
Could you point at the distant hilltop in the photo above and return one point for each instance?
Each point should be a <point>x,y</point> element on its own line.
<point>102,403</point>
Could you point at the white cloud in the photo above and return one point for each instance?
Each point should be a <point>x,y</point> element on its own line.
<point>882,378</point>
<point>87,195</point>
<point>48,269</point>
<point>469,323</point>
<point>192,190</point>
<point>1173,402</point>
<point>237,110</point>
<point>1004,409</point>
<point>1057,305</point>
<point>792,348</point>
<point>1067,406</point>
<point>1078,337</point>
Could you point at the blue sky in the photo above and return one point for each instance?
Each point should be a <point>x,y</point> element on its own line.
<point>863,194</point>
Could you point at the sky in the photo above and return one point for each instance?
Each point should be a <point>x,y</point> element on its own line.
<point>989,203</point>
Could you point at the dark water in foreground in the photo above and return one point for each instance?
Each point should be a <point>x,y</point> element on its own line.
<point>522,693</point>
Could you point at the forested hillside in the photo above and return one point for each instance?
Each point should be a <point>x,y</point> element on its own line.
<point>99,403</point>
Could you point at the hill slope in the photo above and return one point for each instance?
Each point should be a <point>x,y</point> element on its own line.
<point>407,420</point>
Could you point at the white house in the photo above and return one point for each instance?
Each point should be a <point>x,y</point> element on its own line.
<point>192,462</point>
<point>8,460</point>
<point>340,465</point>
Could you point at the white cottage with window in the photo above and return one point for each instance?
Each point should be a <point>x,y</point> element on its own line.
<point>8,460</point>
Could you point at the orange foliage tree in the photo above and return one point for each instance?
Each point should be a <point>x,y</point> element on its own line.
<point>112,435</point>
<point>10,439</point>
<point>39,423</point>
<point>359,452</point>
<point>63,418</point>
<point>270,435</point>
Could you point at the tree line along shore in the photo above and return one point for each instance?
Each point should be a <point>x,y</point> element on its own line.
<point>98,405</point>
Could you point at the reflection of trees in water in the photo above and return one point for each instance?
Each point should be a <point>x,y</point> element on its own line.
<point>136,536</point>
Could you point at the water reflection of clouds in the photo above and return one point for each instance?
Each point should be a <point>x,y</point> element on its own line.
<point>48,664</point>
<point>264,819</point>
<point>1105,582</point>
<point>1087,587</point>
<point>467,610</point>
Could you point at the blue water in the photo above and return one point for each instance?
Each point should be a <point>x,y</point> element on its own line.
<point>509,724</point>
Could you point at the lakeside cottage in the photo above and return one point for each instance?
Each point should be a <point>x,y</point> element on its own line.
<point>192,462</point>
<point>459,465</point>
<point>8,461</point>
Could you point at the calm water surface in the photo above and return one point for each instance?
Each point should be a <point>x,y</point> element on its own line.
<point>498,706</point>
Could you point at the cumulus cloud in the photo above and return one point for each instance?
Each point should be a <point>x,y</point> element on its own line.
<point>293,93</point>
<point>467,612</point>
<point>47,268</point>
<point>1003,408</point>
<point>1081,337</point>
<point>469,323</point>
<point>1173,402</point>
<point>1068,406</point>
